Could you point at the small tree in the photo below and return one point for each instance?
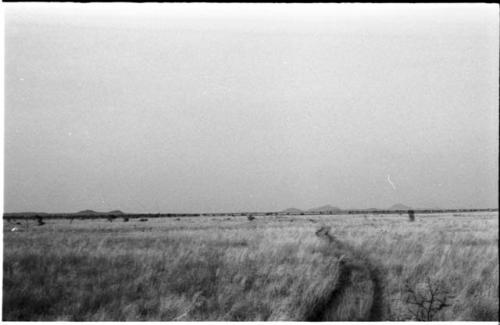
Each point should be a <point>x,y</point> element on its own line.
<point>39,219</point>
<point>411,215</point>
<point>426,301</point>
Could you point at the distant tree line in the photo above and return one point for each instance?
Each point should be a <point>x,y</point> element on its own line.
<point>111,217</point>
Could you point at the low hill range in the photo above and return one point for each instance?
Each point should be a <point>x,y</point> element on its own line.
<point>292,210</point>
<point>400,206</point>
<point>330,208</point>
<point>92,212</point>
<point>325,208</point>
<point>83,213</point>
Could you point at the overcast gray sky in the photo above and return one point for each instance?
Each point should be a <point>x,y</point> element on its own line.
<point>207,108</point>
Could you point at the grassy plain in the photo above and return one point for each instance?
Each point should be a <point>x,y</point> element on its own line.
<point>271,268</point>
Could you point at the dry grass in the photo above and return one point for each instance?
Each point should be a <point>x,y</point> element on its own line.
<point>266,269</point>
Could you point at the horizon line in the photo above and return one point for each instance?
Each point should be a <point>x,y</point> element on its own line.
<point>257,212</point>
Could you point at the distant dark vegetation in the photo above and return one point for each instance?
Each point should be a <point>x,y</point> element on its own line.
<point>115,214</point>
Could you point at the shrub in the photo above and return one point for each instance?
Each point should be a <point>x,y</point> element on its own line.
<point>411,215</point>
<point>40,220</point>
<point>426,300</point>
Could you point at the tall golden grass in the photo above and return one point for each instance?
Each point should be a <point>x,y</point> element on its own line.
<point>271,268</point>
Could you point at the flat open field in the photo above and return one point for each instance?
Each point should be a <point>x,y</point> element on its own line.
<point>373,267</point>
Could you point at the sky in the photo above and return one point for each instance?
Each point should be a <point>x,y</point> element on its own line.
<point>250,107</point>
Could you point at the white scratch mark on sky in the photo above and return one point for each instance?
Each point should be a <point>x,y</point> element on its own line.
<point>390,182</point>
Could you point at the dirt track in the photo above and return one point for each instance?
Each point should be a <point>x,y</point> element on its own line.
<point>358,291</point>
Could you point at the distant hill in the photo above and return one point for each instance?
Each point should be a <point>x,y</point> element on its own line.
<point>400,206</point>
<point>325,208</point>
<point>115,212</point>
<point>91,212</point>
<point>292,210</point>
<point>87,212</point>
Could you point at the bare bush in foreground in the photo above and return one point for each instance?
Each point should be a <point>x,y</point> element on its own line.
<point>426,300</point>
